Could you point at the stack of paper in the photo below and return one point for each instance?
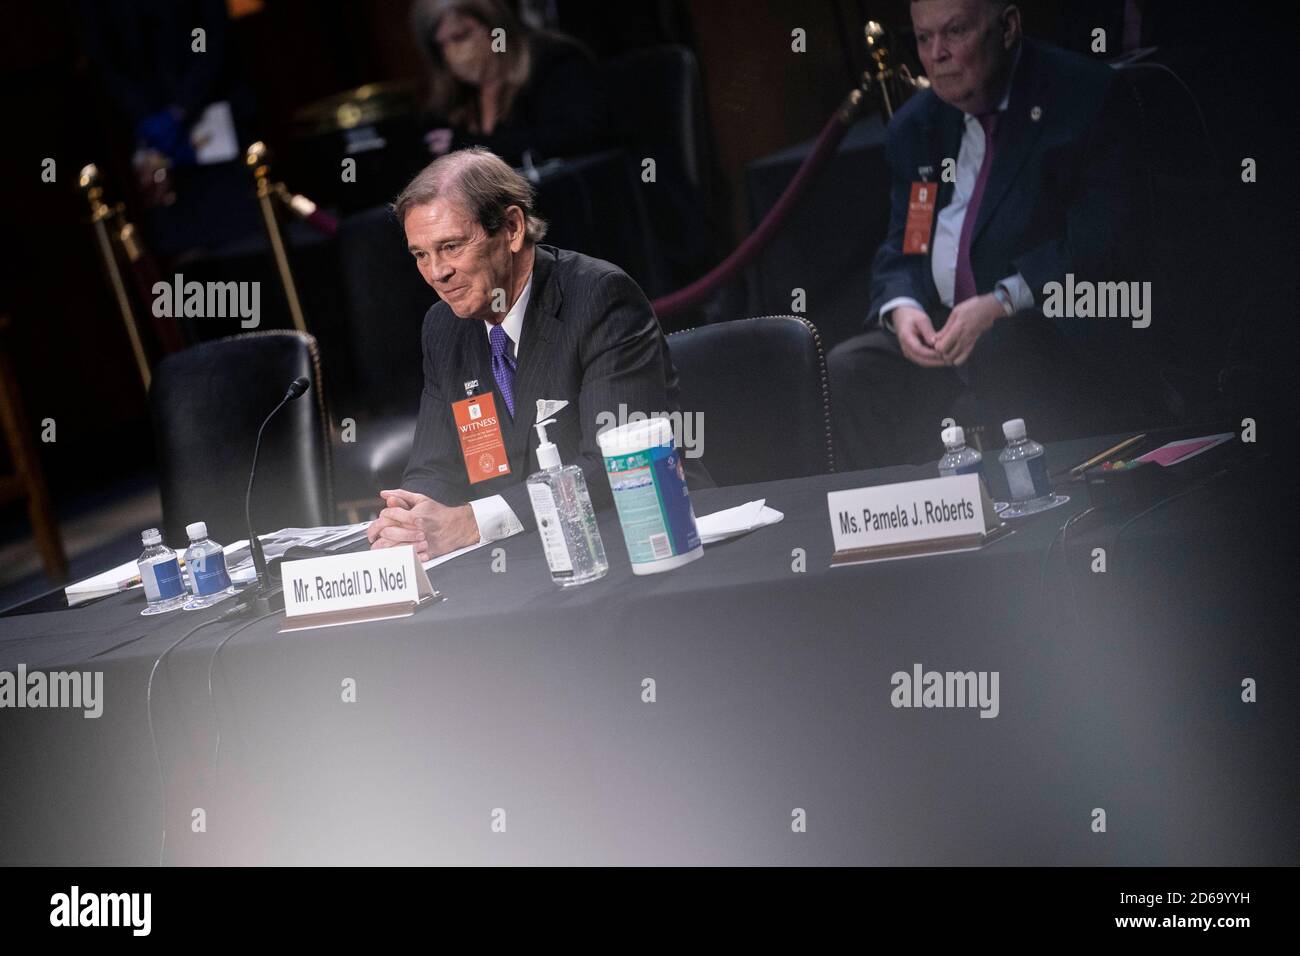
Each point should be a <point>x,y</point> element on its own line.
<point>124,577</point>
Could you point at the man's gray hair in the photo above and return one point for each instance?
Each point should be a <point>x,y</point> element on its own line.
<point>483,182</point>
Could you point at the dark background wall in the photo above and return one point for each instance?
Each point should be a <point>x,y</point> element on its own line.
<point>72,354</point>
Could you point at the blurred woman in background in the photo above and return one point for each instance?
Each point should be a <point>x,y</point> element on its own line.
<point>497,83</point>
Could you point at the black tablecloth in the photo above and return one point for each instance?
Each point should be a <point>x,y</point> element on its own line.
<point>515,700</point>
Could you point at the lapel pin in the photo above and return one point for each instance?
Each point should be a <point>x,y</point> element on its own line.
<point>1036,113</point>
<point>471,385</point>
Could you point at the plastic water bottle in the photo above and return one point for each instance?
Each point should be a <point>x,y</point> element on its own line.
<point>160,572</point>
<point>959,458</point>
<point>205,569</point>
<point>1026,468</point>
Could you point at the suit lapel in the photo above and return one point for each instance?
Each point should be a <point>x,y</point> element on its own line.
<point>536,349</point>
<point>476,360</point>
<point>1017,134</point>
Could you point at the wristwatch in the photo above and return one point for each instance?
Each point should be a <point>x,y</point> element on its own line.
<point>1002,295</point>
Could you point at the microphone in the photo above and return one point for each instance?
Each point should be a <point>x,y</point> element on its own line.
<point>259,599</point>
<point>296,388</point>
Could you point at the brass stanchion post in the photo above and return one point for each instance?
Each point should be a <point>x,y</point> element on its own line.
<point>100,213</point>
<point>257,158</point>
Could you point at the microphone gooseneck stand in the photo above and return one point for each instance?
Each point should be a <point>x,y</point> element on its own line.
<point>260,599</point>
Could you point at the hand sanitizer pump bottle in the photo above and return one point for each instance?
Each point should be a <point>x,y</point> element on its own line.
<point>566,521</point>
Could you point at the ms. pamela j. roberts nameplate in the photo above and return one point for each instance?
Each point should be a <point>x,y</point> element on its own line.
<point>911,519</point>
<point>348,588</point>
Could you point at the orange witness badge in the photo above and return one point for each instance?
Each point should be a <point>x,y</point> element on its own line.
<point>920,218</point>
<point>479,430</point>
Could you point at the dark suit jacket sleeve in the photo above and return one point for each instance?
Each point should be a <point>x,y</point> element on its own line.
<point>436,467</point>
<point>623,361</point>
<point>894,274</point>
<point>1102,235</point>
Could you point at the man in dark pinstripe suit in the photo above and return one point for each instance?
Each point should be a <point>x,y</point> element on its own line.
<point>519,321</point>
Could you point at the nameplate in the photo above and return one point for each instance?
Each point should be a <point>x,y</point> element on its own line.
<point>351,588</point>
<point>911,519</point>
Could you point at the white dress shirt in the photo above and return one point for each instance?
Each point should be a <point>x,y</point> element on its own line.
<point>495,518</point>
<point>947,230</point>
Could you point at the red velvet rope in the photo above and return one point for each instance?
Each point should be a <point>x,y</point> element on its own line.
<point>324,223</point>
<point>703,287</point>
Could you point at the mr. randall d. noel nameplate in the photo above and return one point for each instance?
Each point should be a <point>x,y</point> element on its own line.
<point>911,519</point>
<point>349,588</point>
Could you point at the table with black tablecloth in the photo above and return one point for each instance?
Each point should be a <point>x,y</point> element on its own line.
<point>512,721</point>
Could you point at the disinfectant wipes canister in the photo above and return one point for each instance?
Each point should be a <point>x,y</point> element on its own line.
<point>647,476</point>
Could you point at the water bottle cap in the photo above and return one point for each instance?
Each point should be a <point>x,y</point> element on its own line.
<point>1014,430</point>
<point>953,436</point>
<point>151,537</point>
<point>197,531</point>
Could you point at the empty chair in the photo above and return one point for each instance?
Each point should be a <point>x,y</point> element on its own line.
<point>207,403</point>
<point>386,301</point>
<point>760,391</point>
<point>1188,255</point>
<point>659,112</point>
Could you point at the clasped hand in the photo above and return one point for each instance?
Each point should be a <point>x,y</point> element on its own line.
<point>954,343</point>
<point>430,527</point>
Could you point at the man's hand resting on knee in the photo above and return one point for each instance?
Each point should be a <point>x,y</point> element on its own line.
<point>418,520</point>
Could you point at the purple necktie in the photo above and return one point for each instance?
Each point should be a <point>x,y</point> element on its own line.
<point>964,284</point>
<point>503,366</point>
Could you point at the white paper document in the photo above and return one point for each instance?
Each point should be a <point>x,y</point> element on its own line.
<point>734,521</point>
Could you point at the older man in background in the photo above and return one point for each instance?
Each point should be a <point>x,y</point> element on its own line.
<point>1019,166</point>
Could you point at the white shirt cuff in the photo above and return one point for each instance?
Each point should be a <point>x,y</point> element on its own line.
<point>1022,297</point>
<point>893,304</point>
<point>495,518</point>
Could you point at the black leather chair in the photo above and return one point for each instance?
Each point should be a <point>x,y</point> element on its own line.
<point>1186,222</point>
<point>660,113</point>
<point>761,387</point>
<point>207,403</point>
<point>386,301</point>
